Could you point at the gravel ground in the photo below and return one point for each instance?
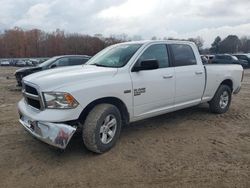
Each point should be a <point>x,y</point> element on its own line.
<point>188,148</point>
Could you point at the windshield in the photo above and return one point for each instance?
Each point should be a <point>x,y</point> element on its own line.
<point>115,56</point>
<point>48,62</point>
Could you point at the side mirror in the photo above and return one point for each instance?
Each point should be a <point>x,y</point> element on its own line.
<point>150,64</point>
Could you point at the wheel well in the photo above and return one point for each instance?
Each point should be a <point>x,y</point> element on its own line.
<point>229,83</point>
<point>110,100</point>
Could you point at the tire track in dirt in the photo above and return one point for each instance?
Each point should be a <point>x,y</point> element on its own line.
<point>187,148</point>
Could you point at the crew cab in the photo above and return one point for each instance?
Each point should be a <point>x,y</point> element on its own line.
<point>54,62</point>
<point>123,83</point>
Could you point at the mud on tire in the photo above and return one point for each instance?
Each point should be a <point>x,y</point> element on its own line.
<point>97,124</point>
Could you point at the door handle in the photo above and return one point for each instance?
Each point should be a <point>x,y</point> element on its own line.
<point>198,72</point>
<point>167,76</point>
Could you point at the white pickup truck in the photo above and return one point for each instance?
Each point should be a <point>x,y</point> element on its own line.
<point>123,83</point>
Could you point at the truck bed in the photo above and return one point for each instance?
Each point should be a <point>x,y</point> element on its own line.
<point>216,74</point>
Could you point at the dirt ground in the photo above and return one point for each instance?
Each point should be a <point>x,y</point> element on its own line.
<point>188,148</point>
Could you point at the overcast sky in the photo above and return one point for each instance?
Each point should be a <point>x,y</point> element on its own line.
<point>161,18</point>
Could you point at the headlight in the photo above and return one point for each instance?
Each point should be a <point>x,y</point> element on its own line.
<point>59,100</point>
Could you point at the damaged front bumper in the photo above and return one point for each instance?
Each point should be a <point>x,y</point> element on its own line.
<point>55,134</point>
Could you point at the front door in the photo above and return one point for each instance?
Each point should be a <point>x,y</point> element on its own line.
<point>153,90</point>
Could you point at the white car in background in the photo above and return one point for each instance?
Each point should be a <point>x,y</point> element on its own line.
<point>5,63</point>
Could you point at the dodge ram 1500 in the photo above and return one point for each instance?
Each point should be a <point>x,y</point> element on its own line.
<point>123,83</point>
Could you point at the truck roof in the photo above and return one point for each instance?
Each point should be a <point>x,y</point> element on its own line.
<point>158,41</point>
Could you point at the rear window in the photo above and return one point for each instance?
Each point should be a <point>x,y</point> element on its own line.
<point>183,55</point>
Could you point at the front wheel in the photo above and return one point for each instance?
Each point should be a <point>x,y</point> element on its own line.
<point>102,128</point>
<point>221,100</point>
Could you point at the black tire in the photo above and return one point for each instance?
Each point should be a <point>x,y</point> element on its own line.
<point>214,104</point>
<point>92,126</point>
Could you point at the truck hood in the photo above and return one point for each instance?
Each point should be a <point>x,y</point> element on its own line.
<point>52,79</point>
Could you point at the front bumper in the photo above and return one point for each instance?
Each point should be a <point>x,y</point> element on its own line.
<point>55,134</point>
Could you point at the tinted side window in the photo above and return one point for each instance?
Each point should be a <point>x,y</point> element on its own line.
<point>241,57</point>
<point>158,52</point>
<point>77,61</point>
<point>62,62</point>
<point>183,55</point>
<point>84,60</point>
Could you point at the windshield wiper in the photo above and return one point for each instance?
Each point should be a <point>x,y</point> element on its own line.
<point>100,65</point>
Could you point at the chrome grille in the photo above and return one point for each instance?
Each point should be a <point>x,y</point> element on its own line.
<point>31,96</point>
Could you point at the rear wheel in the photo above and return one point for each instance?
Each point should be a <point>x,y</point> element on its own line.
<point>102,128</point>
<point>221,100</point>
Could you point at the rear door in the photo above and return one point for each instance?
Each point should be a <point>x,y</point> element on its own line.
<point>189,75</point>
<point>153,90</point>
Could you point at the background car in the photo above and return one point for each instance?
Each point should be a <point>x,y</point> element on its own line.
<point>42,60</point>
<point>5,63</point>
<point>54,62</point>
<point>228,59</point>
<point>204,59</point>
<point>209,58</point>
<point>245,57</point>
<point>29,63</point>
<point>21,63</point>
<point>34,62</point>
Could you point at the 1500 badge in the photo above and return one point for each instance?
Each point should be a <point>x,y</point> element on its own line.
<point>139,91</point>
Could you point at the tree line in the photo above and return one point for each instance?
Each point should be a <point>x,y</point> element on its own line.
<point>231,44</point>
<point>19,43</point>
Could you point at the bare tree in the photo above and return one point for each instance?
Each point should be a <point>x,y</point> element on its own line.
<point>198,41</point>
<point>36,43</point>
